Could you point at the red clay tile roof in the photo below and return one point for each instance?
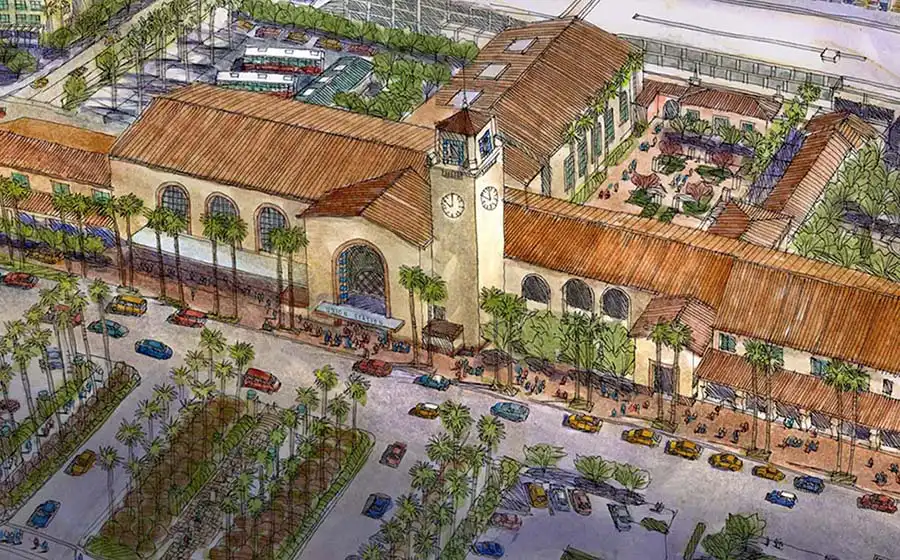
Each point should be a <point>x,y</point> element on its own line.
<point>67,135</point>
<point>399,201</point>
<point>543,89</point>
<point>731,101</point>
<point>752,224</point>
<point>465,122</point>
<point>280,147</point>
<point>48,149</point>
<point>801,390</point>
<point>652,88</point>
<point>41,204</point>
<point>698,316</point>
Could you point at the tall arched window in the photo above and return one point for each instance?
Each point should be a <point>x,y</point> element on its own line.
<point>578,295</point>
<point>175,198</point>
<point>218,204</point>
<point>535,288</point>
<point>616,304</point>
<point>269,218</point>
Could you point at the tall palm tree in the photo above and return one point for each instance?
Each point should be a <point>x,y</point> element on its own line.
<point>15,192</point>
<point>318,430</point>
<point>212,341</point>
<point>195,360</point>
<point>213,229</point>
<point>109,459</point>
<point>308,399</point>
<point>99,293</point>
<point>857,382</point>
<point>457,487</point>
<point>326,380</point>
<point>181,376</point>
<point>234,232</point>
<point>81,206</point>
<point>512,311</point>
<point>424,478</point>
<point>491,432</point>
<point>489,302</point>
<point>441,449</point>
<point>40,338</point>
<point>224,370</point>
<point>456,418</point>
<point>22,355</point>
<point>128,207</point>
<point>157,220</point>
<point>433,292</point>
<point>78,304</point>
<point>290,420</point>
<point>836,376</point>
<point>679,338</point>
<point>47,300</point>
<point>229,505</point>
<point>242,354</point>
<point>277,241</point>
<point>136,42</point>
<point>6,377</point>
<point>130,434</point>
<point>294,240</point>
<point>339,409</point>
<point>109,208</point>
<point>148,410</point>
<point>659,335</point>
<point>164,394</point>
<point>357,389</point>
<point>176,224</point>
<point>61,203</point>
<point>763,359</point>
<point>413,279</point>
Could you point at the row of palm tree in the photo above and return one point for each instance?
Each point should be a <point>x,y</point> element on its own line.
<point>431,290</point>
<point>676,336</point>
<point>286,242</point>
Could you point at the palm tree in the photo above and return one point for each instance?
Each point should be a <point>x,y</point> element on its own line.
<point>181,376</point>
<point>40,338</point>
<point>15,193</point>
<point>408,510</point>
<point>277,241</point>
<point>148,410</point>
<point>108,208</point>
<point>433,292</point>
<point>22,355</point>
<point>357,389</point>
<point>241,353</point>
<point>836,376</point>
<point>175,225</point>
<point>491,432</point>
<point>61,203</point>
<point>425,541</point>
<point>857,382</point>
<point>294,240</point>
<point>424,478</point>
<point>242,484</point>
<point>81,206</point>
<point>6,377</point>
<point>440,513</point>
<point>164,394</point>
<point>489,302</point>
<point>659,335</point>
<point>371,551</point>
<point>195,360</point>
<point>441,449</point>
<point>290,420</point>
<point>109,459</point>
<point>512,310</point>
<point>457,488</point>
<point>212,341</point>
<point>128,207</point>
<point>456,418</point>
<point>255,508</point>
<point>339,409</point>
<point>413,279</point>
<point>595,468</point>
<point>157,220</point>
<point>581,334</point>
<point>326,380</point>
<point>763,359</point>
<point>543,455</point>
<point>318,430</point>
<point>229,506</point>
<point>234,232</point>
<point>224,370</point>
<point>393,533</point>
<point>679,338</point>
<point>99,293</point>
<point>475,457</point>
<point>308,399</point>
<point>130,434</point>
<point>214,229</point>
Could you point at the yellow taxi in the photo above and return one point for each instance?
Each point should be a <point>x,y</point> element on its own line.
<point>428,411</point>
<point>726,462</point>
<point>683,448</point>
<point>768,472</point>
<point>583,423</point>
<point>537,495</point>
<point>641,436</point>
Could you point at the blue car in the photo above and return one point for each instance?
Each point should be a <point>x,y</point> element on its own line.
<point>808,483</point>
<point>43,514</point>
<point>153,348</point>
<point>514,412</point>
<point>782,498</point>
<point>433,382</point>
<point>55,357</point>
<point>488,548</point>
<point>377,505</point>
<point>113,329</point>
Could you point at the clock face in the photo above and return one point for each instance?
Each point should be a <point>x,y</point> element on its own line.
<point>453,205</point>
<point>489,198</point>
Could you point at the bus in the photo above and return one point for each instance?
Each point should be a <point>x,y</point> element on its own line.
<point>292,61</point>
<point>282,85</point>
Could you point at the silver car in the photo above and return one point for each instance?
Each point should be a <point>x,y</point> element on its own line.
<point>558,498</point>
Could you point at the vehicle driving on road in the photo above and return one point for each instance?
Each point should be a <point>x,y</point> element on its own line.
<point>509,521</point>
<point>583,423</point>
<point>113,328</point>
<point>43,514</point>
<point>513,412</point>
<point>393,454</point>
<point>877,502</point>
<point>812,484</point>
<point>127,305</point>
<point>153,349</point>
<point>260,380</point>
<point>433,382</point>
<point>683,448</point>
<point>641,436</point>
<point>490,549</point>
<point>768,472</point>
<point>428,411</point>
<point>82,463</point>
<point>375,368</point>
<point>188,318</point>
<point>21,280</point>
<point>782,498</point>
<point>377,505</point>
<point>726,462</point>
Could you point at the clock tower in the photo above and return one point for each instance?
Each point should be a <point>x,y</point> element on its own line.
<point>467,208</point>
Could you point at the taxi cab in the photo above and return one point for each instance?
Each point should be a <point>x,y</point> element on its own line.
<point>583,423</point>
<point>683,448</point>
<point>768,472</point>
<point>726,462</point>
<point>641,436</point>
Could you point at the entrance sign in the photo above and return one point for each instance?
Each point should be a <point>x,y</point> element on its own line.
<point>359,316</point>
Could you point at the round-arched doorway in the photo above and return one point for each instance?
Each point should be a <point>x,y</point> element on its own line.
<point>362,278</point>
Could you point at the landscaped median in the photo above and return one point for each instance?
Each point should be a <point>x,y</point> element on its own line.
<point>78,428</point>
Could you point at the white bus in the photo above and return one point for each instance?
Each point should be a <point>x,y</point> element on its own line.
<point>294,61</point>
<point>281,84</point>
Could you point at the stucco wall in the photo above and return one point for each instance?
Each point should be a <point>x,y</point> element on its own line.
<point>645,353</point>
<point>735,120</point>
<point>44,183</point>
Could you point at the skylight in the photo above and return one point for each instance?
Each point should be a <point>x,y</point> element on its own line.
<point>308,92</point>
<point>465,96</point>
<point>493,71</point>
<point>520,45</point>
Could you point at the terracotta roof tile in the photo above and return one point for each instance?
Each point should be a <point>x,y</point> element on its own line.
<point>653,88</point>
<point>465,122</point>
<point>731,101</point>
<point>41,204</point>
<point>750,223</point>
<point>698,316</point>
<point>53,159</point>
<point>66,135</point>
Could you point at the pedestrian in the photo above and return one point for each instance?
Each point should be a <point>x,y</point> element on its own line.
<point>193,293</point>
<point>623,408</point>
<point>36,542</point>
<point>870,463</point>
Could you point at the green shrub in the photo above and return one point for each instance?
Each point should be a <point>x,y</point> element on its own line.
<point>640,197</point>
<point>668,164</point>
<point>713,174</point>
<point>692,208</point>
<point>667,215</point>
<point>640,127</point>
<point>650,210</point>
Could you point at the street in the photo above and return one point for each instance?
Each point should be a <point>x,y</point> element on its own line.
<point>829,523</point>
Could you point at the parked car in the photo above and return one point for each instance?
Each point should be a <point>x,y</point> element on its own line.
<point>51,315</point>
<point>620,517</point>
<point>188,318</point>
<point>782,498</point>
<point>82,463</point>
<point>536,494</point>
<point>127,305</point>
<point>40,83</point>
<point>21,280</point>
<point>768,472</point>
<point>375,368</point>
<point>113,328</point>
<point>297,37</point>
<point>580,501</point>
<point>513,412</point>
<point>377,505</point>
<point>491,549</point>
<point>43,514</point>
<point>153,348</point>
<point>330,44</point>
<point>808,483</point>
<point>726,462</point>
<point>641,436</point>
<point>426,410</point>
<point>683,448</point>
<point>9,406</point>
<point>583,422</point>
<point>362,50</point>
<point>878,502</point>
<point>558,498</point>
<point>260,380</point>
<point>393,454</point>
<point>433,382</point>
<point>54,358</point>
<point>508,521</point>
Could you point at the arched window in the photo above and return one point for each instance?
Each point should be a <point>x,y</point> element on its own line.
<point>616,304</point>
<point>218,204</point>
<point>578,295</point>
<point>175,198</point>
<point>269,218</point>
<point>535,288</point>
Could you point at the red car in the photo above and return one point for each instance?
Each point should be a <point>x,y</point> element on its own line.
<point>364,50</point>
<point>375,368</point>
<point>188,318</point>
<point>509,521</point>
<point>261,381</point>
<point>878,502</point>
<point>20,280</point>
<point>393,454</point>
<point>50,316</point>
